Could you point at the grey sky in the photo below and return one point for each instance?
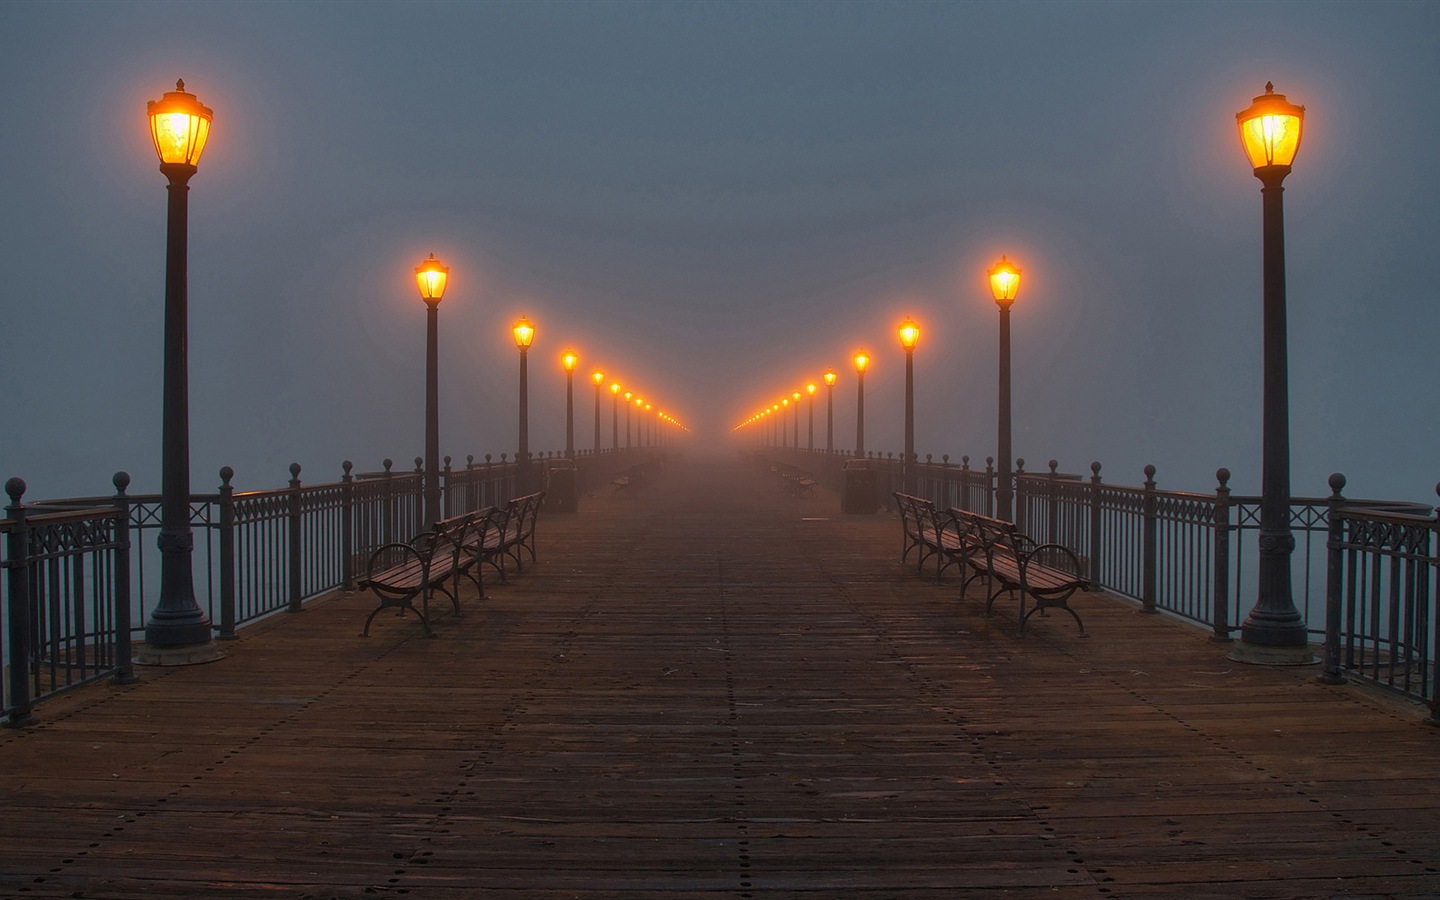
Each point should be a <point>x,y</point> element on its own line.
<point>714,202</point>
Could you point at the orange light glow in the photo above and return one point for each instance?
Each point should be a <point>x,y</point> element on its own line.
<point>810,388</point>
<point>615,388</point>
<point>830,377</point>
<point>909,334</point>
<point>598,378</point>
<point>568,359</point>
<point>524,333</point>
<point>179,126</point>
<point>862,360</point>
<point>1004,282</point>
<point>1270,130</point>
<point>628,395</point>
<point>795,395</point>
<point>431,278</point>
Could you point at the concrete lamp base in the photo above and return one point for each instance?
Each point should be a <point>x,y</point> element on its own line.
<point>182,655</point>
<point>1270,655</point>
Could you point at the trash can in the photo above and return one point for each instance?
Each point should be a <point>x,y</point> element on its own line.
<point>859,487</point>
<point>560,489</point>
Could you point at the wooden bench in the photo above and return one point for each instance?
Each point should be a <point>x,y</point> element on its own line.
<point>917,528</point>
<point>630,479</point>
<point>1012,563</point>
<point>520,533</point>
<point>398,572</point>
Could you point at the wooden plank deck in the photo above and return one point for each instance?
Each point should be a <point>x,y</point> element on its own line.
<point>711,688</point>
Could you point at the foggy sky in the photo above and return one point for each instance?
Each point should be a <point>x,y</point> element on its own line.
<point>713,202</point>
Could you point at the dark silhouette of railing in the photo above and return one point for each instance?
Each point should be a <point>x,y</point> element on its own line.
<point>88,570</point>
<point>1191,555</point>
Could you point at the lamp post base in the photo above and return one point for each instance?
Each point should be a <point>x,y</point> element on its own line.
<point>1271,655</point>
<point>178,655</point>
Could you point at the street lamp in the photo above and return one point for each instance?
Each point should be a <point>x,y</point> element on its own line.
<point>795,419</point>
<point>639,423</point>
<point>810,431</point>
<point>628,396</point>
<point>830,377</point>
<point>524,334</point>
<point>177,631</point>
<point>861,361</point>
<point>430,277</point>
<point>784,433</point>
<point>615,416</point>
<point>649,428</point>
<point>1274,631</point>
<point>599,379</point>
<point>1004,284</point>
<point>568,359</point>
<point>909,337</point>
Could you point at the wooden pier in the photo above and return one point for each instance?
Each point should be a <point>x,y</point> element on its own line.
<point>712,688</point>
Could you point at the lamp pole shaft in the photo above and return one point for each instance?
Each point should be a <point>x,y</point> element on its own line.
<point>829,418</point>
<point>569,415</point>
<point>432,413</point>
<point>627,424</point>
<point>177,619</point>
<point>1275,621</point>
<point>614,422</point>
<point>524,454</point>
<point>907,466</point>
<point>810,428</point>
<point>597,420</point>
<point>1003,485</point>
<point>860,414</point>
<point>795,423</point>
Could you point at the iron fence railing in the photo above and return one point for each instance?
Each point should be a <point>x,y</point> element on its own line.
<point>82,575</point>
<point>1193,555</point>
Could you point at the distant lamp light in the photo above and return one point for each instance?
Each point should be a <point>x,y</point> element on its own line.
<point>568,359</point>
<point>810,388</point>
<point>830,377</point>
<point>615,388</point>
<point>861,361</point>
<point>179,126</point>
<point>431,277</point>
<point>909,334</point>
<point>1004,282</point>
<point>598,378</point>
<point>524,333</point>
<point>1270,131</point>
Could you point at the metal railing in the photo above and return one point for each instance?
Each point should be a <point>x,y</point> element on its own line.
<point>83,574</point>
<point>1193,555</point>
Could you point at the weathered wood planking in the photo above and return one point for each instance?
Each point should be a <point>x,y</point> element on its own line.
<point>711,688</point>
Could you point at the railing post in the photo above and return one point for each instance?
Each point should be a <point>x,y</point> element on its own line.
<point>1052,504</point>
<point>1148,543</point>
<point>227,555</point>
<point>1017,491</point>
<point>1097,522</point>
<point>472,497</point>
<point>990,486</point>
<point>1334,585</point>
<point>421,524</point>
<point>445,502</point>
<point>1220,582</point>
<point>296,534</point>
<point>17,551</point>
<point>388,511</point>
<point>124,671</point>
<point>347,526</point>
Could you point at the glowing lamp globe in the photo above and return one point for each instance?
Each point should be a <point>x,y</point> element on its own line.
<point>430,276</point>
<point>1270,131</point>
<point>861,361</point>
<point>1004,282</point>
<point>830,377</point>
<point>524,333</point>
<point>568,359</point>
<point>179,126</point>
<point>909,334</point>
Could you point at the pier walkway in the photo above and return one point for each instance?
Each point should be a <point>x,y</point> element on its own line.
<point>711,688</point>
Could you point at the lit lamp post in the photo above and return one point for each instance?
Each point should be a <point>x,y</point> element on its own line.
<point>524,334</point>
<point>795,420</point>
<point>177,631</point>
<point>909,337</point>
<point>1004,284</point>
<point>1274,632</point>
<point>830,377</point>
<point>568,359</point>
<point>810,430</point>
<point>615,416</point>
<point>649,427</point>
<point>861,361</point>
<point>628,396</point>
<point>599,379</point>
<point>431,277</point>
<point>639,423</point>
<point>784,432</point>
